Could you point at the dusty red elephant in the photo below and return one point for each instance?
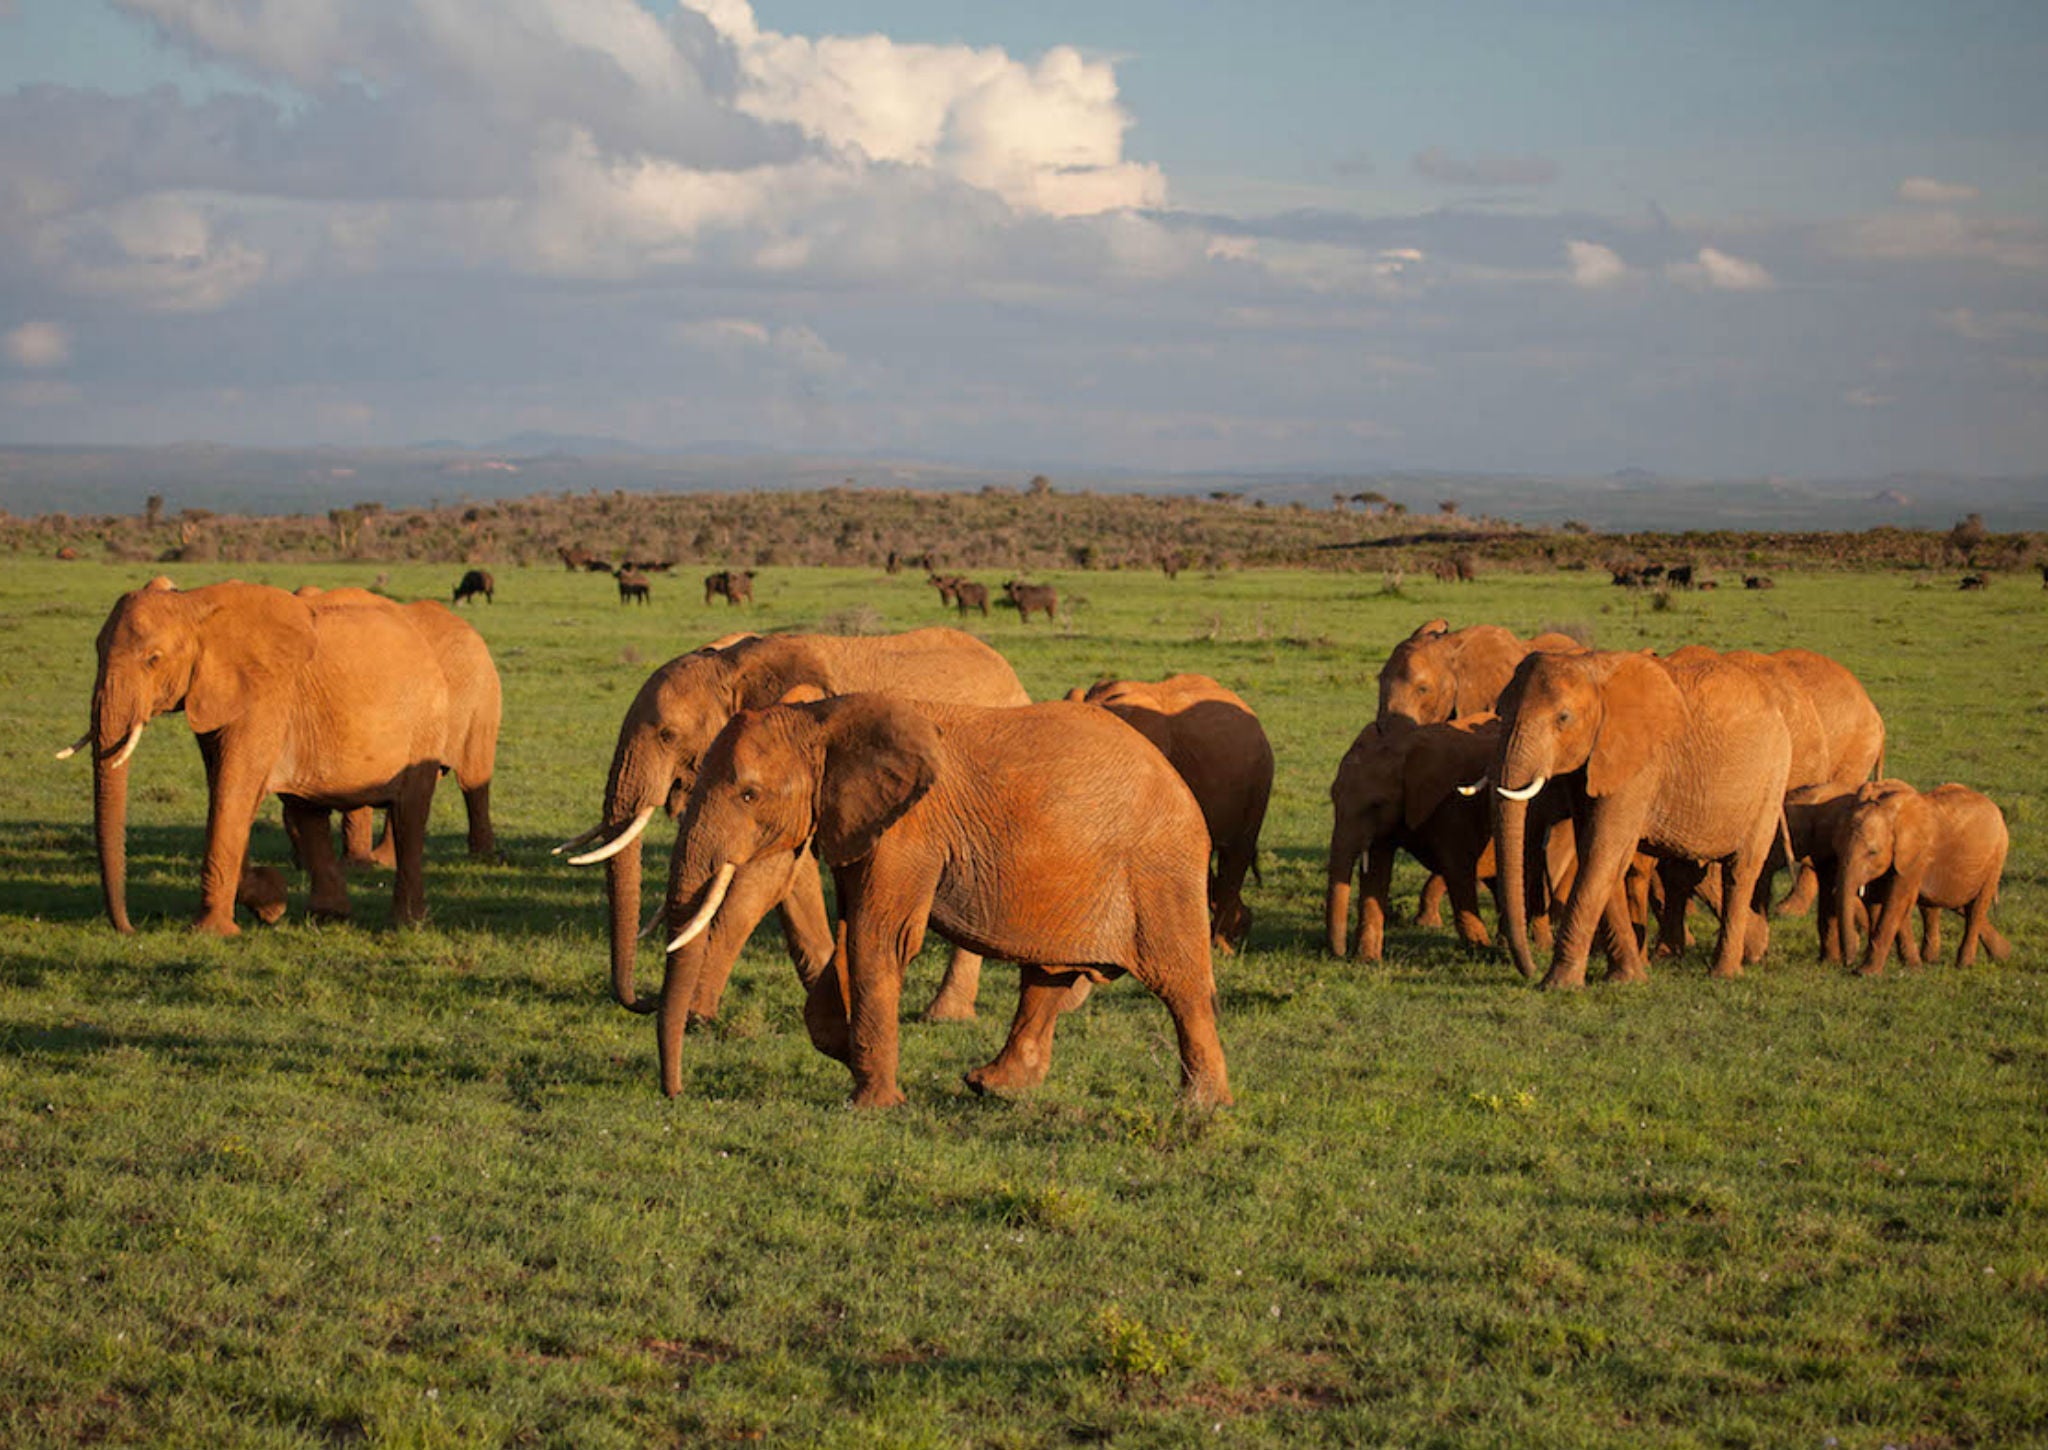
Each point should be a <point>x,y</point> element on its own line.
<point>1048,835</point>
<point>1215,741</point>
<point>1943,849</point>
<point>327,703</point>
<point>672,721</point>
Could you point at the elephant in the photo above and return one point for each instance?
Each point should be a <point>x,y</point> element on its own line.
<point>1403,787</point>
<point>736,585</point>
<point>1837,739</point>
<point>1049,835</point>
<point>1215,741</point>
<point>1944,849</point>
<point>633,587</point>
<point>326,702</point>
<point>1685,758</point>
<point>475,711</point>
<point>476,582</point>
<point>672,721</point>
<point>1437,674</point>
<point>1042,598</point>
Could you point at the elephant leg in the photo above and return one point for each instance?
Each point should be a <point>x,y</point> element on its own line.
<point>1626,961</point>
<point>757,888</point>
<point>1429,907</point>
<point>1042,994</point>
<point>1463,889</point>
<point>1803,896</point>
<point>1899,899</point>
<point>1681,880</point>
<point>827,1011</point>
<point>1604,855</point>
<point>476,806</point>
<point>880,940</point>
<point>1189,991</point>
<point>1743,929</point>
<point>1976,928</point>
<point>954,1001</point>
<point>359,846</point>
<point>806,927</point>
<point>1375,902</point>
<point>234,792</point>
<point>1230,920</point>
<point>407,827</point>
<point>311,831</point>
<point>1930,935</point>
<point>1827,915</point>
<point>1994,939</point>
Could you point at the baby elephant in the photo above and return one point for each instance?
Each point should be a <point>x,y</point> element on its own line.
<point>1943,850</point>
<point>1049,835</point>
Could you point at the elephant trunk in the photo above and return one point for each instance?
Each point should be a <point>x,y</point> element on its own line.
<point>110,821</point>
<point>1346,849</point>
<point>1510,837</point>
<point>622,898</point>
<point>687,952</point>
<point>1851,919</point>
<point>633,793</point>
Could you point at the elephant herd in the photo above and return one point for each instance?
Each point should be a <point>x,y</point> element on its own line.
<point>1621,778</point>
<point>1104,834</point>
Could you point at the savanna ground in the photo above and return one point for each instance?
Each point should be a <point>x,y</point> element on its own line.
<point>334,1185</point>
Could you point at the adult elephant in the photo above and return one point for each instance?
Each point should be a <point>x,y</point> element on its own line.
<point>673,720</point>
<point>327,703</point>
<point>1684,758</point>
<point>1438,674</point>
<point>1049,835</point>
<point>1214,739</point>
<point>476,710</point>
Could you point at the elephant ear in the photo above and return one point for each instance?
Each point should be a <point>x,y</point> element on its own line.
<point>252,641</point>
<point>1431,627</point>
<point>1641,718</point>
<point>1431,774</point>
<point>1913,832</point>
<point>765,670</point>
<point>880,759</point>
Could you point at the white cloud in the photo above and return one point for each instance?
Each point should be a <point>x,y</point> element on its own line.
<point>1926,191</point>
<point>1992,326</point>
<point>794,346</point>
<point>38,346</point>
<point>1946,236</point>
<point>1046,137</point>
<point>163,252</point>
<point>1719,271</point>
<point>1594,266</point>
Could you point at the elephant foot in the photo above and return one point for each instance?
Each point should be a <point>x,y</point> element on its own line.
<point>1559,981</point>
<point>878,1095</point>
<point>328,911</point>
<point>1870,969</point>
<point>215,926</point>
<point>1006,1075</point>
<point>949,1007</point>
<point>1222,946</point>
<point>1628,973</point>
<point>1726,971</point>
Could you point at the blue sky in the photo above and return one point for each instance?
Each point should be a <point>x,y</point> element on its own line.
<point>1802,239</point>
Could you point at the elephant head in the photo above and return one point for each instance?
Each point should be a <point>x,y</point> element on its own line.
<point>1606,720</point>
<point>215,653</point>
<point>1367,799</point>
<point>668,727</point>
<point>833,774</point>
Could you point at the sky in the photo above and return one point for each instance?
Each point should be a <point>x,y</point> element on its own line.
<point>1806,239</point>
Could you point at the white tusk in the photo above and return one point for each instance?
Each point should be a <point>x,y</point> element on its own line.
<point>75,746</point>
<point>652,922</point>
<point>694,927</point>
<point>1474,788</point>
<point>1527,792</point>
<point>127,749</point>
<point>588,836</point>
<point>617,843</point>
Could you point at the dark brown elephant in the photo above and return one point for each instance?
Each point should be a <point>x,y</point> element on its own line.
<point>327,703</point>
<point>1680,758</point>
<point>1214,739</point>
<point>673,720</point>
<point>1438,674</point>
<point>476,711</point>
<point>1049,835</point>
<point>1943,849</point>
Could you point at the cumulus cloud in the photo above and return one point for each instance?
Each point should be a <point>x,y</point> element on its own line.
<point>38,346</point>
<point>1594,266</point>
<point>1926,191</point>
<point>1437,164</point>
<point>1717,270</point>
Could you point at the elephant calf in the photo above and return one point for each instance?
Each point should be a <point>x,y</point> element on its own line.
<point>1943,850</point>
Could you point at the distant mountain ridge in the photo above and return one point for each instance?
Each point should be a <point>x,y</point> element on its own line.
<point>231,479</point>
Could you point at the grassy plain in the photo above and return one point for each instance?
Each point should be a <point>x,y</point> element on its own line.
<point>339,1185</point>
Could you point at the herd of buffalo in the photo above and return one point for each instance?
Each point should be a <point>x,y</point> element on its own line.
<point>1595,794</point>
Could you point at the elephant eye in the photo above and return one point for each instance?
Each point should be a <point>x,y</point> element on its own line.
<point>749,795</point>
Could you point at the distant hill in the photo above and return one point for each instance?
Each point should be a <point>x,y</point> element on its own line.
<point>39,480</point>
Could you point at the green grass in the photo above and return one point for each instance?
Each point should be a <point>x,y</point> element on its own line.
<point>337,1185</point>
